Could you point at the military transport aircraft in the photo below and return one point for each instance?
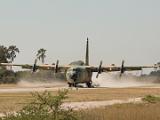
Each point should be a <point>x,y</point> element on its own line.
<point>79,71</point>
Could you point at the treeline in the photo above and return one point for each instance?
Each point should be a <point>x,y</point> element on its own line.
<point>7,55</point>
<point>7,75</point>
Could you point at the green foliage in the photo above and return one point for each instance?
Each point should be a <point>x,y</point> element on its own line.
<point>7,76</point>
<point>151,98</point>
<point>8,54</point>
<point>3,53</point>
<point>45,107</point>
<point>41,54</point>
<point>11,51</point>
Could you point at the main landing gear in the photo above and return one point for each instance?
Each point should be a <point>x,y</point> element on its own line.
<point>72,84</point>
<point>89,84</point>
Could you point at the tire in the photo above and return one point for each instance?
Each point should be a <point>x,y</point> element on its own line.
<point>89,84</point>
<point>70,85</point>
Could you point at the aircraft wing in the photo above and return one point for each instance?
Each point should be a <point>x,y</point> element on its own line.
<point>116,68</point>
<point>92,68</point>
<point>40,67</point>
<point>27,66</point>
<point>126,68</point>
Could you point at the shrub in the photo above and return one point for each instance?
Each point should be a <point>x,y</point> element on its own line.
<point>7,76</point>
<point>151,99</point>
<point>45,107</point>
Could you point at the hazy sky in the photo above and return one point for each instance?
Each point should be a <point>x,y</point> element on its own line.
<point>117,29</point>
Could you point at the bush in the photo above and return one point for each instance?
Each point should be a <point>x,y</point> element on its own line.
<point>45,107</point>
<point>151,99</point>
<point>7,76</point>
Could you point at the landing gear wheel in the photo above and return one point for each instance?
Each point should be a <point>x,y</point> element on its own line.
<point>70,85</point>
<point>74,84</point>
<point>89,84</point>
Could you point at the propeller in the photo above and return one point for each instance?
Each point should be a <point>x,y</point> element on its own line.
<point>34,66</point>
<point>56,69</point>
<point>122,69</point>
<point>157,66</point>
<point>99,69</point>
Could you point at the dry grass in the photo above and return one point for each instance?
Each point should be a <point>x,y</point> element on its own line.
<point>110,93</point>
<point>130,111</point>
<point>7,85</point>
<point>15,101</point>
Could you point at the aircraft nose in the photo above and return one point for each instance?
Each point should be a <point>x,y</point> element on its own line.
<point>74,76</point>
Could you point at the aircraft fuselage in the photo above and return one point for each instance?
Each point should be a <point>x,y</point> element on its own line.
<point>79,74</point>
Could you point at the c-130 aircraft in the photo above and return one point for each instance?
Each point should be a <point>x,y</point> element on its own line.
<point>79,71</point>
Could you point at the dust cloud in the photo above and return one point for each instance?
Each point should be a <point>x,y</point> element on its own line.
<point>45,83</point>
<point>111,80</point>
<point>127,80</point>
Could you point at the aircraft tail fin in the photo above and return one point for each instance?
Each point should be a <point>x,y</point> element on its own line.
<point>87,53</point>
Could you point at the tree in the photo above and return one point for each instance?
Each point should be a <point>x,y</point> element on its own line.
<point>41,54</point>
<point>12,50</point>
<point>7,55</point>
<point>3,54</point>
<point>7,76</point>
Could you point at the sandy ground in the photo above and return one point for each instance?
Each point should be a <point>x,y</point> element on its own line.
<point>91,104</point>
<point>95,104</point>
<point>28,89</point>
<point>50,88</point>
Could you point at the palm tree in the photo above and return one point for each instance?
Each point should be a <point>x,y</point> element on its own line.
<point>41,54</point>
<point>12,50</point>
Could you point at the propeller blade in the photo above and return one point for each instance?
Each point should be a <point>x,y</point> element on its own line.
<point>56,69</point>
<point>97,75</point>
<point>34,66</point>
<point>99,69</point>
<point>122,68</point>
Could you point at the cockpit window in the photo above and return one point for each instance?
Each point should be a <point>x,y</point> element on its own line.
<point>77,69</point>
